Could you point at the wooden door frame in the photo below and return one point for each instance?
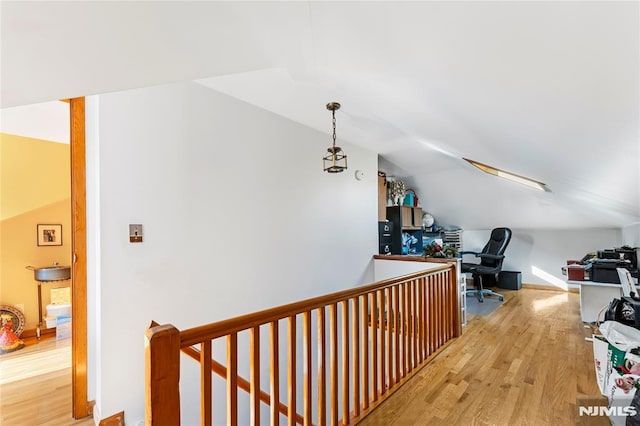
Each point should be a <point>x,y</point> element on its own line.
<point>80,404</point>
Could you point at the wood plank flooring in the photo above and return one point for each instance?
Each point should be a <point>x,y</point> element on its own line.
<point>35,385</point>
<point>524,364</point>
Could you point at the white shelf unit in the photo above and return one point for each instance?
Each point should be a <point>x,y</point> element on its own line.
<point>453,238</point>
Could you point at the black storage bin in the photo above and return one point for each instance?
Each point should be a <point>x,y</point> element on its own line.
<point>511,280</point>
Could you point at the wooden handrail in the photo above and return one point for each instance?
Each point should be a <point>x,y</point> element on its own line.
<point>378,336</point>
<point>195,335</point>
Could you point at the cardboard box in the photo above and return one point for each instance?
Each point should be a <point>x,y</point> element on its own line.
<point>51,322</point>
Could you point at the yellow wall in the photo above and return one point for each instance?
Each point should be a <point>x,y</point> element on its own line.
<point>34,173</point>
<point>35,188</point>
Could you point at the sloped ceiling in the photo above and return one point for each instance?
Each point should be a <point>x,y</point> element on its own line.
<point>34,173</point>
<point>549,90</point>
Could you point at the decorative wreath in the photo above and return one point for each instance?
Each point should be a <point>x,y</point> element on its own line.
<point>16,315</point>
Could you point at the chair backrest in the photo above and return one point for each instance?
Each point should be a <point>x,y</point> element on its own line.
<point>497,245</point>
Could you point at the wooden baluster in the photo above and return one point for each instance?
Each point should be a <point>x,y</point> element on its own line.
<point>414,324</point>
<point>333,351</point>
<point>162,375</point>
<point>425,319</point>
<point>355,360</point>
<point>445,316</point>
<point>291,375</point>
<point>232,379</point>
<point>374,346</point>
<point>364,324</point>
<point>384,348</point>
<point>432,316</point>
<point>448,304</point>
<point>322,368</point>
<point>436,312</point>
<point>420,297</point>
<point>401,333</point>
<point>409,327</point>
<point>440,312</point>
<point>397,329</point>
<point>417,317</point>
<point>406,330</point>
<point>345,362</point>
<point>205,383</point>
<point>306,349</point>
<point>275,374</point>
<point>437,306</point>
<point>254,375</point>
<point>442,304</point>
<point>390,330</point>
<point>438,315</point>
<point>445,308</point>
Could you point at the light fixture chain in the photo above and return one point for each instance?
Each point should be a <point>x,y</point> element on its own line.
<point>336,161</point>
<point>334,127</point>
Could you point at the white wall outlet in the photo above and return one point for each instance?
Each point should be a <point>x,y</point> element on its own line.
<point>135,233</point>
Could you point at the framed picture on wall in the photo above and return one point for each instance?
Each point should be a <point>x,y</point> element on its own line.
<point>49,235</point>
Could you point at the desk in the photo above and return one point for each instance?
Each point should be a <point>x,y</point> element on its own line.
<point>595,295</point>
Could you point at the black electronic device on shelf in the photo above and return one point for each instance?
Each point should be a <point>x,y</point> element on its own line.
<point>604,268</point>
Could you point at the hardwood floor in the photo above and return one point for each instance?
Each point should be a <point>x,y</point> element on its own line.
<point>524,364</point>
<point>35,385</point>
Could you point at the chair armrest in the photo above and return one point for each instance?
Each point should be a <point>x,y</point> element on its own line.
<point>490,256</point>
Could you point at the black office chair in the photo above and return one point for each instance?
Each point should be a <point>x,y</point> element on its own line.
<point>490,265</point>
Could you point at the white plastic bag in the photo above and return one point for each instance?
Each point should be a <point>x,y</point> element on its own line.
<point>601,358</point>
<point>622,336</point>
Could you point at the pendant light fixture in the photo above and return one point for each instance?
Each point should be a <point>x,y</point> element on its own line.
<point>336,161</point>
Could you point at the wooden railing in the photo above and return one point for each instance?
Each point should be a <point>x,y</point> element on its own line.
<point>369,341</point>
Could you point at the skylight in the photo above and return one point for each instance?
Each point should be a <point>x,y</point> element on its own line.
<point>531,183</point>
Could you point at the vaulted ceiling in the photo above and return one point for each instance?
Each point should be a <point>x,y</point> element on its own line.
<point>549,90</point>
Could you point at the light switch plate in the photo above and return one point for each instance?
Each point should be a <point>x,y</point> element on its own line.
<point>135,233</point>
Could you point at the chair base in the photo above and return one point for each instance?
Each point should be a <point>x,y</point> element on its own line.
<point>482,292</point>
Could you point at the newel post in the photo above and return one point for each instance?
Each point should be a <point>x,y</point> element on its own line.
<point>162,376</point>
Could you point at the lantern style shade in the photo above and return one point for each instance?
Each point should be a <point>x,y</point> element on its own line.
<point>336,161</point>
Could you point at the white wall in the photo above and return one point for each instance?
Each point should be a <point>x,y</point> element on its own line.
<point>631,235</point>
<point>237,216</point>
<point>384,269</point>
<point>540,254</point>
